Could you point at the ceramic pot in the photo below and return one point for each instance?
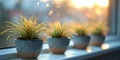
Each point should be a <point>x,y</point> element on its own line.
<point>58,45</point>
<point>28,49</point>
<point>97,40</point>
<point>80,42</point>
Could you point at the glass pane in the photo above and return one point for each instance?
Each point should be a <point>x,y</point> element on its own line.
<point>52,10</point>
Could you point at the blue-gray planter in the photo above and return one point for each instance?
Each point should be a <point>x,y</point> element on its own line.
<point>80,42</point>
<point>97,40</point>
<point>58,45</point>
<point>28,49</point>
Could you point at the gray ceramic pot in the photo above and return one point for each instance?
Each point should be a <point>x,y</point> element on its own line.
<point>97,40</point>
<point>28,49</point>
<point>58,45</point>
<point>80,42</point>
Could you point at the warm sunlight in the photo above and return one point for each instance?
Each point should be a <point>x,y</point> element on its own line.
<point>102,3</point>
<point>58,1</point>
<point>82,3</point>
<point>105,46</point>
<point>88,49</point>
<point>88,3</point>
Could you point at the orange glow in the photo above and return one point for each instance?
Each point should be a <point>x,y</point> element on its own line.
<point>88,3</point>
<point>82,3</point>
<point>58,1</point>
<point>102,3</point>
<point>98,11</point>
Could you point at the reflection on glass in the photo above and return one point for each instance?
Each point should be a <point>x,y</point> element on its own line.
<point>105,46</point>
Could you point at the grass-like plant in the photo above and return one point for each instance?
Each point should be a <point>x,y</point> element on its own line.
<point>80,29</point>
<point>57,30</point>
<point>99,29</point>
<point>25,28</point>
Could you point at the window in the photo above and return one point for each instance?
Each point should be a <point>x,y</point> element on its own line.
<point>52,10</point>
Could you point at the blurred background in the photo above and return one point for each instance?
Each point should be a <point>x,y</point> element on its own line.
<point>52,10</point>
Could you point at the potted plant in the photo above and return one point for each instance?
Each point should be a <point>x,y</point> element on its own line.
<point>58,41</point>
<point>26,32</point>
<point>98,35</point>
<point>80,37</point>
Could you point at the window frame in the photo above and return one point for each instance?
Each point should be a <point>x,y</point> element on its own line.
<point>118,19</point>
<point>112,17</point>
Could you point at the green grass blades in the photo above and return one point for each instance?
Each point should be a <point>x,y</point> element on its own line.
<point>26,28</point>
<point>57,30</point>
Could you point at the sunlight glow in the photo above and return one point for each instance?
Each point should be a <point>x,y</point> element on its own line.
<point>98,11</point>
<point>89,50</point>
<point>82,3</point>
<point>58,1</point>
<point>105,46</point>
<point>88,3</point>
<point>47,5</point>
<point>68,54</point>
<point>102,3</point>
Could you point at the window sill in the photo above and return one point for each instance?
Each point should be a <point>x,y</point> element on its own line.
<point>72,53</point>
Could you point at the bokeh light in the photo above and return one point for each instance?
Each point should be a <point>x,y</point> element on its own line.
<point>88,3</point>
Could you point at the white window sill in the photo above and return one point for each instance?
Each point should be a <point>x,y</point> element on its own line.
<point>113,44</point>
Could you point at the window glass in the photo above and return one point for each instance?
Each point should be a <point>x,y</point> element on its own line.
<point>52,10</point>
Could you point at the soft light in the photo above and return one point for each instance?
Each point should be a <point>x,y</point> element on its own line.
<point>68,54</point>
<point>58,1</point>
<point>47,5</point>
<point>98,11</point>
<point>105,46</point>
<point>38,3</point>
<point>50,13</point>
<point>82,3</point>
<point>102,3</point>
<point>44,0</point>
<point>89,50</point>
<point>88,3</point>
